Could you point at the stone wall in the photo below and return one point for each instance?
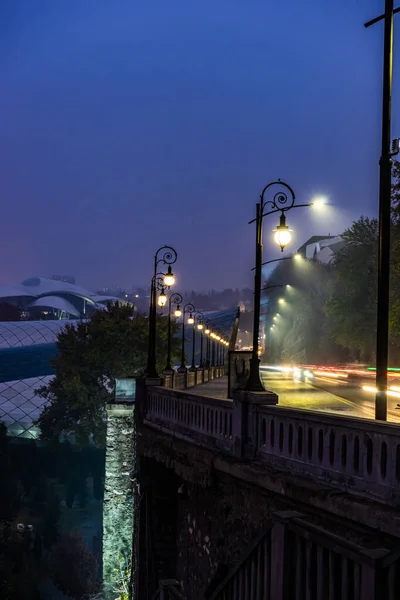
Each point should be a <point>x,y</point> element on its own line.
<point>215,526</point>
<point>118,510</point>
<point>219,512</point>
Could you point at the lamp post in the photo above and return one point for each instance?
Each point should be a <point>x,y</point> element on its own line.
<point>281,202</point>
<point>188,308</point>
<point>176,299</point>
<point>218,339</point>
<point>207,332</point>
<point>167,256</point>
<point>197,315</point>
<point>200,327</point>
<point>385,181</point>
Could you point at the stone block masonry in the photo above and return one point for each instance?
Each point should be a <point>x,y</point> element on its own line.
<point>118,510</point>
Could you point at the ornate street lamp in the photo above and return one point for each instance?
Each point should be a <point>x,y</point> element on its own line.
<point>207,332</point>
<point>199,316</point>
<point>165,255</point>
<point>281,202</point>
<point>201,326</point>
<point>188,308</point>
<point>176,299</point>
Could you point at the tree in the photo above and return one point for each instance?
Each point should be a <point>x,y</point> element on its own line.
<point>302,333</point>
<point>74,567</point>
<point>91,355</point>
<point>352,304</point>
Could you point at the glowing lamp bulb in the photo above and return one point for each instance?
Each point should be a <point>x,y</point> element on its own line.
<point>162,298</point>
<point>207,331</point>
<point>190,319</point>
<point>200,326</point>
<point>318,202</point>
<point>282,233</point>
<point>178,312</point>
<point>169,278</point>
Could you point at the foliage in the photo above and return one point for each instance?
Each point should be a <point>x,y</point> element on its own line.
<point>74,567</point>
<point>352,305</point>
<point>91,355</point>
<point>121,579</point>
<point>302,334</point>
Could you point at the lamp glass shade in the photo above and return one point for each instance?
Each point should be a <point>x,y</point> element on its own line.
<point>200,326</point>
<point>190,319</point>
<point>282,236</point>
<point>169,278</point>
<point>162,299</point>
<point>207,332</point>
<point>178,312</point>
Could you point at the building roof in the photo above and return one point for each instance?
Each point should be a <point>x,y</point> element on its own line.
<point>313,240</point>
<point>56,302</point>
<point>29,333</point>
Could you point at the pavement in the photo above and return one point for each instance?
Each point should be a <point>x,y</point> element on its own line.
<point>217,388</point>
<point>324,395</point>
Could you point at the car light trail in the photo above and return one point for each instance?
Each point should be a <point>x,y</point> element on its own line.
<point>390,392</point>
<point>330,374</point>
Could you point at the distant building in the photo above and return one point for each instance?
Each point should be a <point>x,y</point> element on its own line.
<point>65,278</point>
<point>321,247</point>
<point>40,298</point>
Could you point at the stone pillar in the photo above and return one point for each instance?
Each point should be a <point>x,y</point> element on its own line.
<point>245,419</point>
<point>119,494</point>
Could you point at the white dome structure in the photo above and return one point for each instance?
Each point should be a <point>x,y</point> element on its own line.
<point>59,299</point>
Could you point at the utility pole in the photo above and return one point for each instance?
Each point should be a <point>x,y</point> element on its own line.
<point>385,182</point>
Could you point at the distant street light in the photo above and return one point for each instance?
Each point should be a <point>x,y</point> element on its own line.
<point>162,298</point>
<point>197,315</point>
<point>176,299</point>
<point>167,256</point>
<point>281,202</point>
<point>188,308</point>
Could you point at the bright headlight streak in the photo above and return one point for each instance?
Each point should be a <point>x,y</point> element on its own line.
<point>369,388</point>
<point>329,374</point>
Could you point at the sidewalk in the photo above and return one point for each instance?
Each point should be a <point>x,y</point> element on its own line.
<point>217,388</point>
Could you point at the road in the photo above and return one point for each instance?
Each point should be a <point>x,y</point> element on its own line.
<point>326,395</point>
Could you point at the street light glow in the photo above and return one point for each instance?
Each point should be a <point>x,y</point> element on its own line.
<point>282,233</point>
<point>162,298</point>
<point>200,326</point>
<point>282,301</point>
<point>319,202</point>
<point>178,312</point>
<point>190,319</point>
<point>169,278</point>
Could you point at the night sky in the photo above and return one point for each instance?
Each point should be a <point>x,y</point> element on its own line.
<point>129,124</point>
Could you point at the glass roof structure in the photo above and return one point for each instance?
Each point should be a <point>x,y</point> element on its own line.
<point>26,348</point>
<point>20,407</point>
<point>29,333</point>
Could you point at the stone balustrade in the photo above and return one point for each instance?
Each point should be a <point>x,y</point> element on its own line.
<point>294,558</point>
<point>348,452</point>
<point>178,380</point>
<point>353,454</point>
<point>205,420</point>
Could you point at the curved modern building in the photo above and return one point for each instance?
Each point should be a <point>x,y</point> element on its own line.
<point>54,299</point>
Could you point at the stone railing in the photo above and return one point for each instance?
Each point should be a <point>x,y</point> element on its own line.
<point>294,558</point>
<point>205,420</point>
<point>349,452</point>
<point>180,381</point>
<point>353,454</point>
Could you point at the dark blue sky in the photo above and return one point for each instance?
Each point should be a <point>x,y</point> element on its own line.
<point>130,124</point>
